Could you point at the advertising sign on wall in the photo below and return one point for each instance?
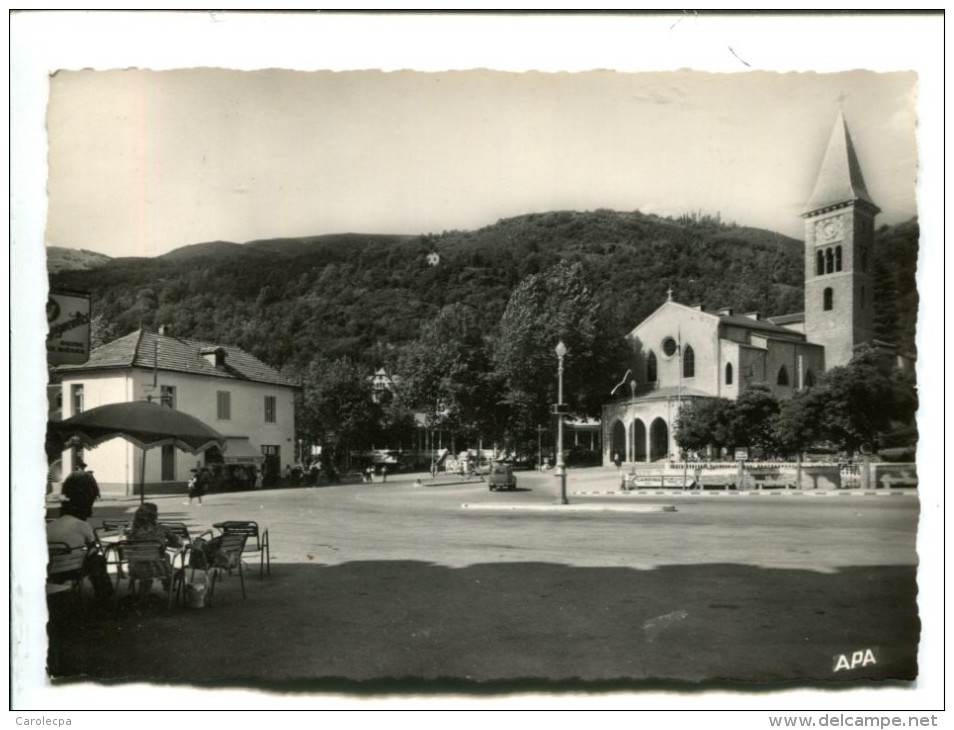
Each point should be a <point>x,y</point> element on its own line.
<point>68,317</point>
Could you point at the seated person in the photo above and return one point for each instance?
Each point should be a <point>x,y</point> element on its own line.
<point>145,526</point>
<point>72,529</point>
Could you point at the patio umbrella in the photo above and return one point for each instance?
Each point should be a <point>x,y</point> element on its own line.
<point>144,424</point>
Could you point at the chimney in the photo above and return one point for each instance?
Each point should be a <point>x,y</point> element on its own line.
<point>726,311</point>
<point>162,329</point>
<point>753,315</point>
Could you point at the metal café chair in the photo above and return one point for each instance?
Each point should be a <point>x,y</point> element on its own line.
<point>107,538</point>
<point>66,569</point>
<point>257,541</point>
<point>179,529</point>
<point>228,557</point>
<point>135,555</point>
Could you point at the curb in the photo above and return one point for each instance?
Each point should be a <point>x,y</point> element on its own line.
<point>747,493</point>
<point>569,507</point>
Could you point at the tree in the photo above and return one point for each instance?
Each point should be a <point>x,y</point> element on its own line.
<point>446,373</point>
<point>753,418</point>
<point>750,420</point>
<point>397,424</point>
<point>557,304</point>
<point>799,422</point>
<point>100,331</point>
<point>337,408</point>
<point>704,422</point>
<point>864,399</point>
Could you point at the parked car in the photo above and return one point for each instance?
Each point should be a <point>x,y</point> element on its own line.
<point>501,477</point>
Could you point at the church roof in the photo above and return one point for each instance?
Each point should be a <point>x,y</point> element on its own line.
<point>839,179</point>
<point>141,349</point>
<point>757,325</point>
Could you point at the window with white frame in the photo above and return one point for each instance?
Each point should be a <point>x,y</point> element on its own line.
<point>77,398</point>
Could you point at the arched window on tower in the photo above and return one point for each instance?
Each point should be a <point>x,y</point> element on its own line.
<point>651,374</point>
<point>829,261</point>
<point>837,258</point>
<point>688,362</point>
<point>828,299</point>
<point>728,373</point>
<point>782,376</point>
<point>809,379</point>
<point>819,262</point>
<point>864,258</point>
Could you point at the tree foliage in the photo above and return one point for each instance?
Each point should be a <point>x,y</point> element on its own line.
<point>865,399</point>
<point>446,373</point>
<point>799,422</point>
<point>753,418</point>
<point>337,409</point>
<point>556,305</point>
<point>704,422</point>
<point>750,420</point>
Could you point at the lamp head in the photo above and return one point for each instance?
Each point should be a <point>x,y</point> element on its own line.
<point>560,349</point>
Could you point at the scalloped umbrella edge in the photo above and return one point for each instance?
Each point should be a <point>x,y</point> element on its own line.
<point>144,424</point>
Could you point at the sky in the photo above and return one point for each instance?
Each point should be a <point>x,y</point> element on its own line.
<point>142,162</point>
<point>136,163</point>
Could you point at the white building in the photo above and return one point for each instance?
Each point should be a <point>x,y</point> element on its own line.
<point>683,353</point>
<point>245,400</point>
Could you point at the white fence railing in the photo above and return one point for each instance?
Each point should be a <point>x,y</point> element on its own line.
<point>776,474</point>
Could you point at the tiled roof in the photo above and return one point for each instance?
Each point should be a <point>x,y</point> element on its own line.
<point>761,325</point>
<point>649,391</point>
<point>784,319</point>
<point>148,350</point>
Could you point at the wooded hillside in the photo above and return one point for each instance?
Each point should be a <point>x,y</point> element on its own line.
<point>365,296</point>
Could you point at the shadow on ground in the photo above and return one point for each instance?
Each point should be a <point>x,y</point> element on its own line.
<point>413,626</point>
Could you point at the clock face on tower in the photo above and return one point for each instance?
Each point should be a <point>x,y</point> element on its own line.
<point>829,229</point>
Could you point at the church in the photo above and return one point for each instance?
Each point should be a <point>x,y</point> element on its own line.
<point>683,353</point>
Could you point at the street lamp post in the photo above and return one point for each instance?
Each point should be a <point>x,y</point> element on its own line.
<point>540,431</point>
<point>559,410</point>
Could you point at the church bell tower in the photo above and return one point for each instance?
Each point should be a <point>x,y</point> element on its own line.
<point>839,253</point>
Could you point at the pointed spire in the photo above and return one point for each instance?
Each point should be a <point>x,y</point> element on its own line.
<point>839,179</point>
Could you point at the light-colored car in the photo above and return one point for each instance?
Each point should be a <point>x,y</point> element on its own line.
<point>501,477</point>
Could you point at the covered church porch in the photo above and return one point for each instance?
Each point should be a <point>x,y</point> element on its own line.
<point>641,429</point>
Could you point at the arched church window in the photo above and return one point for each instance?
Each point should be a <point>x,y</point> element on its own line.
<point>829,261</point>
<point>688,362</point>
<point>837,258</point>
<point>864,259</point>
<point>809,379</point>
<point>782,376</point>
<point>828,299</point>
<point>651,375</point>
<point>728,373</point>
<point>819,262</point>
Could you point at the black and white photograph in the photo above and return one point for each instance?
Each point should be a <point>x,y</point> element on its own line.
<point>472,362</point>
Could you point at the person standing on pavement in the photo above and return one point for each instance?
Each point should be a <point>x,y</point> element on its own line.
<point>198,485</point>
<point>384,472</point>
